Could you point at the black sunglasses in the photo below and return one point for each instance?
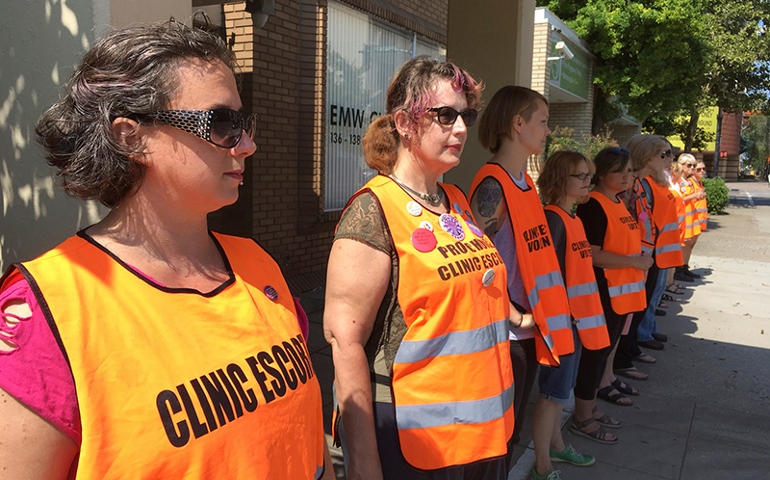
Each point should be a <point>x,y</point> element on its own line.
<point>222,127</point>
<point>667,153</point>
<point>448,115</point>
<point>620,151</point>
<point>582,176</point>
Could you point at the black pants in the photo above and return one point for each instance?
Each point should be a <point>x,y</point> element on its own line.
<point>628,347</point>
<point>592,362</point>
<point>524,362</point>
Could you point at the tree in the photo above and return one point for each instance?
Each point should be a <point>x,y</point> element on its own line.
<point>668,60</point>
<point>651,56</point>
<point>756,132</point>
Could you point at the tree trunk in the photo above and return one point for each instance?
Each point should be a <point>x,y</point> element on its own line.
<point>691,129</point>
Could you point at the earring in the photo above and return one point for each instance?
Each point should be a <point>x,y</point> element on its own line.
<point>406,137</point>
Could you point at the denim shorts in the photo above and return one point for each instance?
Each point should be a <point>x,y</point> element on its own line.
<point>556,383</point>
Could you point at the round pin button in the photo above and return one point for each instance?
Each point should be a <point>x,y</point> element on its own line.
<point>452,226</point>
<point>475,229</point>
<point>489,275</point>
<point>271,293</point>
<point>414,209</point>
<point>643,216</point>
<point>468,214</point>
<point>426,225</point>
<point>457,208</point>
<point>423,240</point>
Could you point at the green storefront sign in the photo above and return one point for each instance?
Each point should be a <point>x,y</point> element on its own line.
<point>570,75</point>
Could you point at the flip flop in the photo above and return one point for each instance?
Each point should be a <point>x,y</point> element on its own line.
<point>607,394</point>
<point>624,387</point>
<point>627,373</point>
<point>644,358</point>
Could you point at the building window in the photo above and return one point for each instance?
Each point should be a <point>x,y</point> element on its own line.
<point>362,56</point>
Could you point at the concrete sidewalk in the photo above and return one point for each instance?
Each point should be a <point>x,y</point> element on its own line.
<point>705,411</point>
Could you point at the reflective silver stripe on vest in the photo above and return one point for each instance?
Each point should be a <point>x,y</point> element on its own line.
<point>626,288</point>
<point>669,227</point>
<point>453,343</point>
<point>558,322</point>
<point>543,282</point>
<point>318,472</point>
<point>681,219</point>
<point>453,413</point>
<point>594,321</point>
<point>674,247</point>
<point>582,289</point>
<point>646,249</point>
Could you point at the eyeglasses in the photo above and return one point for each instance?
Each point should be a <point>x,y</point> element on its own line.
<point>667,153</point>
<point>620,151</point>
<point>583,176</point>
<point>448,115</point>
<point>222,127</point>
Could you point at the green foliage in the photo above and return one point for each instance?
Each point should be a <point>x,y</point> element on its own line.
<point>562,138</point>
<point>717,194</point>
<point>756,129</point>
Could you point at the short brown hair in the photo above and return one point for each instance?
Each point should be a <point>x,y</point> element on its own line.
<point>129,73</point>
<point>610,159</point>
<point>556,172</point>
<point>497,119</point>
<point>410,90</point>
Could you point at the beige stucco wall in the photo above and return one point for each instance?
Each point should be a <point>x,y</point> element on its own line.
<point>42,41</point>
<point>497,51</point>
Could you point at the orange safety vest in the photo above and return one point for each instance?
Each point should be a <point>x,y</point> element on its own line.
<point>625,285</point>
<point>668,246</point>
<point>584,301</point>
<point>172,383</point>
<point>648,231</point>
<point>452,380</point>
<point>538,264</point>
<point>701,205</point>
<point>691,224</point>
<point>680,212</point>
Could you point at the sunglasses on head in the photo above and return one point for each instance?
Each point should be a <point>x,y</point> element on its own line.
<point>620,151</point>
<point>667,153</point>
<point>448,115</point>
<point>222,127</point>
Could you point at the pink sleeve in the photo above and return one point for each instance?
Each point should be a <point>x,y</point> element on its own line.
<point>32,366</point>
<point>304,323</point>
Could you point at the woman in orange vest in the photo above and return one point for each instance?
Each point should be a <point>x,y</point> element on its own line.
<point>675,171</point>
<point>513,127</point>
<point>564,180</point>
<point>619,266</point>
<point>692,218</point>
<point>147,346</point>
<point>701,205</point>
<point>416,311</point>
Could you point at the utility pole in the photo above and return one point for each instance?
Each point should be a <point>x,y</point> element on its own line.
<point>717,143</point>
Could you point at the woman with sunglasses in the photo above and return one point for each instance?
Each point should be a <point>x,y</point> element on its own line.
<point>564,180</point>
<point>147,346</point>
<point>514,127</point>
<point>415,310</point>
<point>655,210</point>
<point>619,266</point>
<point>692,224</point>
<point>701,206</point>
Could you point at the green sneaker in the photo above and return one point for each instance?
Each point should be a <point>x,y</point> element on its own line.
<point>569,455</point>
<point>551,475</point>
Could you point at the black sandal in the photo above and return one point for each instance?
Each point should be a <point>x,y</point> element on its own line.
<point>607,394</point>
<point>605,420</point>
<point>624,387</point>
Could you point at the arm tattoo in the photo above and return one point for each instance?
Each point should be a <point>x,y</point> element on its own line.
<point>487,199</point>
<point>488,195</point>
